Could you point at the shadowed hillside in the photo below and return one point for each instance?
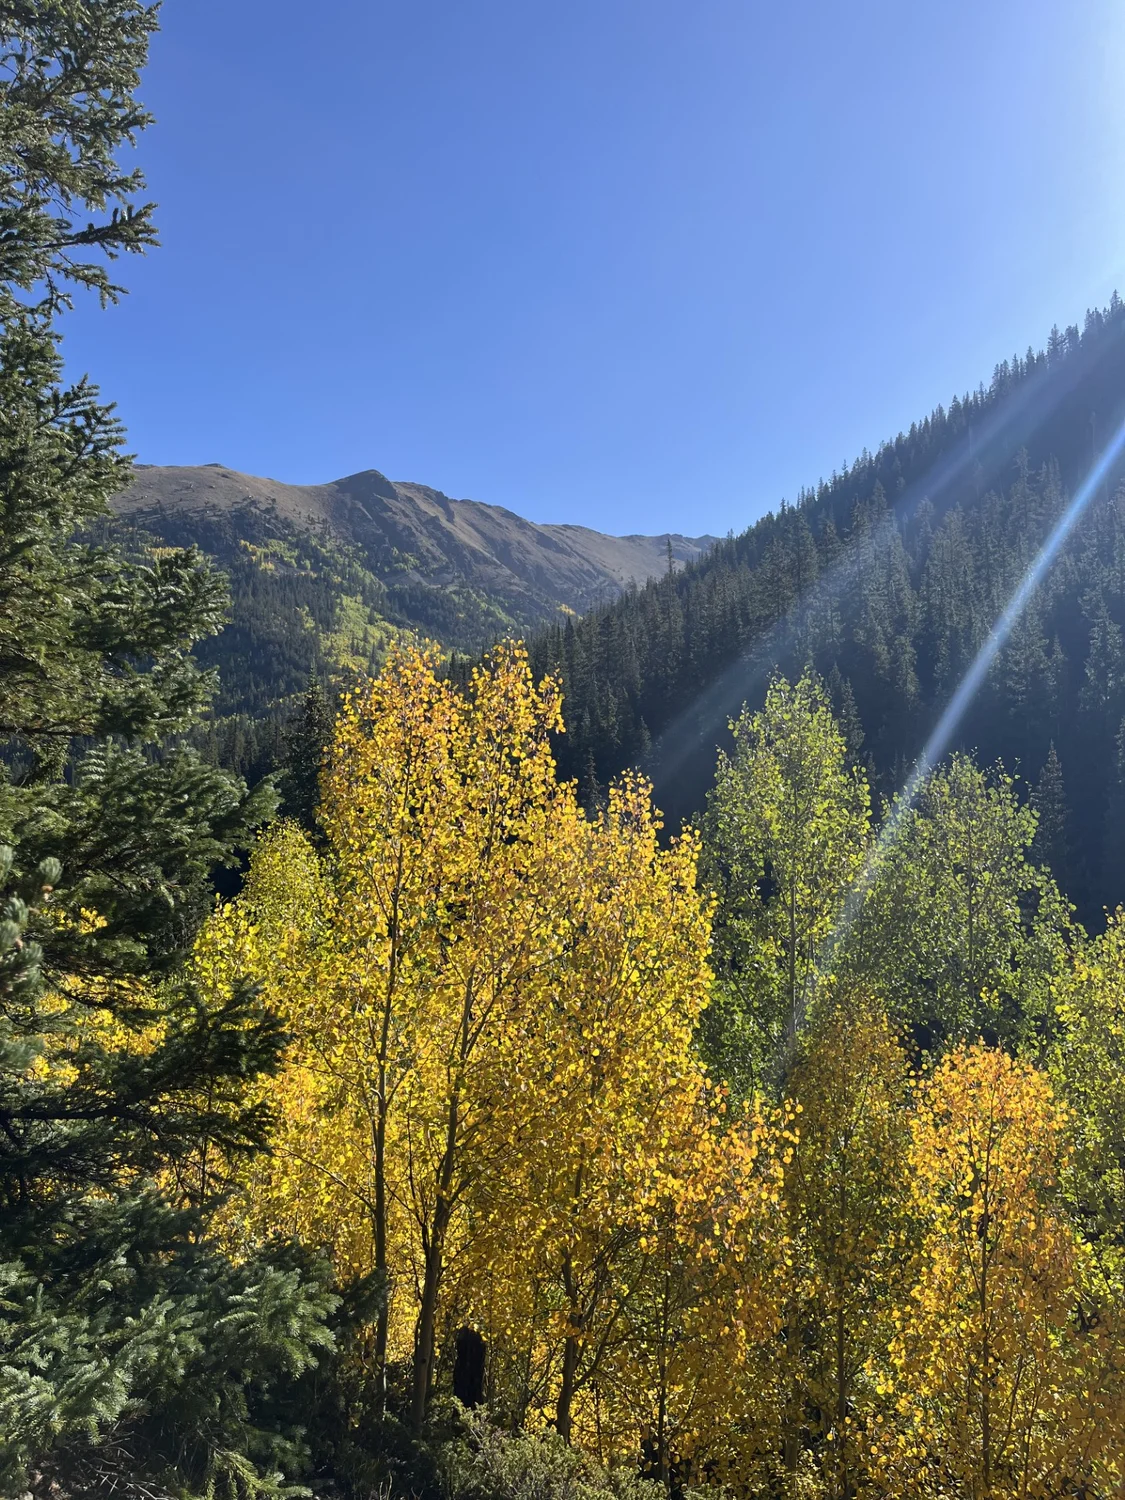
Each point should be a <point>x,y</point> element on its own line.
<point>887,578</point>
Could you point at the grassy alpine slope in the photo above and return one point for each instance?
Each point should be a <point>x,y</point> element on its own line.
<point>324,575</point>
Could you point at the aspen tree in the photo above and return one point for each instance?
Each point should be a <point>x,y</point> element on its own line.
<point>267,936</point>
<point>693,1372</point>
<point>788,824</point>
<point>961,934</point>
<point>1088,1066</point>
<point>389,795</point>
<point>997,1388</point>
<point>492,1059</point>
<point>846,1194</point>
<point>448,831</point>
<point>609,1058</point>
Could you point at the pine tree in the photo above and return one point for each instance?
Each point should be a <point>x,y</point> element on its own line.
<point>1112,832</point>
<point>846,712</point>
<point>306,740</point>
<point>1051,844</point>
<point>591,791</point>
<point>131,1349</point>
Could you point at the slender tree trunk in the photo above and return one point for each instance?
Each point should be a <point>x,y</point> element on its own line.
<point>435,1248</point>
<point>791,1029</point>
<point>791,1437</point>
<point>841,1356</point>
<point>986,1361</point>
<point>571,1351</point>
<point>432,1273</point>
<point>382,1322</point>
<point>382,1109</point>
<point>971,889</point>
<point>427,1318</point>
<point>563,1416</point>
<point>841,1398</point>
<point>662,1464</point>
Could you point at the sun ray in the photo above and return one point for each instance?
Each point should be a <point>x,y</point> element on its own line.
<point>987,449</point>
<point>967,689</point>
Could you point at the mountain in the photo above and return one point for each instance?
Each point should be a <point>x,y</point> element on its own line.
<point>323,576</point>
<point>887,578</point>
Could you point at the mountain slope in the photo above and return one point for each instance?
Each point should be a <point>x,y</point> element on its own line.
<point>322,576</point>
<point>888,578</point>
<point>410,531</point>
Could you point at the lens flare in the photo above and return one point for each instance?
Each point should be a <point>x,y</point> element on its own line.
<point>967,689</point>
<point>984,453</point>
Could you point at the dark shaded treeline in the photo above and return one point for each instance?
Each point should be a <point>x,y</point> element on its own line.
<point>887,578</point>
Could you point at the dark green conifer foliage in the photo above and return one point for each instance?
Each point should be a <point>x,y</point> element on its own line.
<point>137,1360</point>
<point>1052,842</point>
<point>888,577</point>
<point>306,739</point>
<point>847,715</point>
<point>590,789</point>
<point>1113,833</point>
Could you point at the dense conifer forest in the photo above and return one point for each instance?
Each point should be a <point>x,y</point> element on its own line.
<point>471,1132</point>
<point>887,578</point>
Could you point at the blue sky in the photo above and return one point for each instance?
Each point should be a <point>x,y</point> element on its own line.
<point>638,264</point>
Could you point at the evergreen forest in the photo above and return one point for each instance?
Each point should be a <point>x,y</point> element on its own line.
<point>433,1117</point>
<point>886,580</point>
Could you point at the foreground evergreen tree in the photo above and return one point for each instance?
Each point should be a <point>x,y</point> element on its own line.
<point>136,1359</point>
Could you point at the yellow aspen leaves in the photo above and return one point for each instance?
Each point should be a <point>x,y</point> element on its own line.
<point>997,1385</point>
<point>847,1195</point>
<point>1088,1066</point>
<point>902,1278</point>
<point>492,1089</point>
<point>789,824</point>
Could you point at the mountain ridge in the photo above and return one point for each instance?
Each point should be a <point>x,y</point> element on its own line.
<point>323,577</point>
<point>412,530</point>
